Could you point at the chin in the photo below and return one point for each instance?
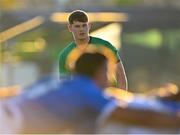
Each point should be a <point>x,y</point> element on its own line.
<point>82,38</point>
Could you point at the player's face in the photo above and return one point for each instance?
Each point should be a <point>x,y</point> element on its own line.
<point>80,30</point>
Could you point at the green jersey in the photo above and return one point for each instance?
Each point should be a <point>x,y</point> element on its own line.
<point>69,55</point>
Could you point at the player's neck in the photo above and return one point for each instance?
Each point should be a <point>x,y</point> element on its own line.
<point>82,42</point>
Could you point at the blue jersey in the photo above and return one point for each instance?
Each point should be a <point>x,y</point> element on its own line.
<point>74,103</point>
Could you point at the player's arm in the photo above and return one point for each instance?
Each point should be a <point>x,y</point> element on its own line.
<point>62,70</point>
<point>121,79</point>
<point>147,118</point>
<point>121,76</point>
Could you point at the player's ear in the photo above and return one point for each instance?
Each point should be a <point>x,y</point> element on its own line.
<point>69,27</point>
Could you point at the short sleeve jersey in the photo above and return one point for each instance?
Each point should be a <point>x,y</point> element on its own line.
<point>76,103</point>
<point>71,53</point>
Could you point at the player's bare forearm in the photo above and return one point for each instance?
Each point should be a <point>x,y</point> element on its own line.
<point>146,118</point>
<point>121,76</point>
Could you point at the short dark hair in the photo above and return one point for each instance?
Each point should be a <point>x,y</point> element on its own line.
<point>78,15</point>
<point>88,63</point>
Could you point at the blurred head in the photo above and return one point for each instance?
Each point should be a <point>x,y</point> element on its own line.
<point>93,65</point>
<point>79,25</point>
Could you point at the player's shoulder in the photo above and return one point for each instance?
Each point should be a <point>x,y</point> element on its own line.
<point>67,49</point>
<point>100,41</point>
